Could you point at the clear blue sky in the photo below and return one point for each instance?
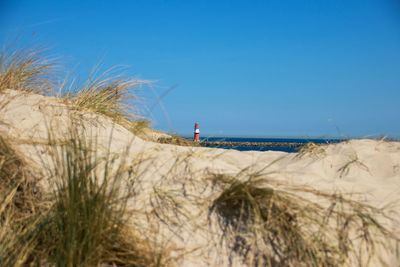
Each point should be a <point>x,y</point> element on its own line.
<point>255,68</point>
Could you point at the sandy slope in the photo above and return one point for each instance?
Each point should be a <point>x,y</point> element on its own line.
<point>369,167</point>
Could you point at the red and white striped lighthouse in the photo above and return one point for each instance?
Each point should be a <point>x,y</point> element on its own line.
<point>196,137</point>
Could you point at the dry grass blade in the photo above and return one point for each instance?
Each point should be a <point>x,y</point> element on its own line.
<point>15,177</point>
<point>353,160</point>
<point>269,227</point>
<point>18,216</point>
<point>25,70</point>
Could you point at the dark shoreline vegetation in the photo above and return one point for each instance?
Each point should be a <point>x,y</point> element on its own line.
<point>289,145</point>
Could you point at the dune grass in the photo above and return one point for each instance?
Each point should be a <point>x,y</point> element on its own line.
<point>265,226</point>
<point>85,211</point>
<point>26,70</point>
<point>85,221</point>
<point>112,96</point>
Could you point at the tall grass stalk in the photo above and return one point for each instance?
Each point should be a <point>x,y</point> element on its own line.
<point>88,224</point>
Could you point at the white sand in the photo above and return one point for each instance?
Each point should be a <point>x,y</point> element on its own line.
<point>368,169</point>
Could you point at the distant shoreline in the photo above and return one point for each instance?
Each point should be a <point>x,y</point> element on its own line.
<point>250,144</point>
<point>290,145</point>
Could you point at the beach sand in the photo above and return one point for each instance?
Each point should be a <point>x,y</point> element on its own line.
<point>364,170</point>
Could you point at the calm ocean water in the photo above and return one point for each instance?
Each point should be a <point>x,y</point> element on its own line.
<point>274,144</point>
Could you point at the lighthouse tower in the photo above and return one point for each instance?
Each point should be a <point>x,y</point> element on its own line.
<point>196,137</point>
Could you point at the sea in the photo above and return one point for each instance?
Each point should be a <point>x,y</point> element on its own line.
<point>290,145</point>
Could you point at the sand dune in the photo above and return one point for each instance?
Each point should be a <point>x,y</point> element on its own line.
<point>364,170</point>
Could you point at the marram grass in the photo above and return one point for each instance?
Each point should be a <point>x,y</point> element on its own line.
<point>109,94</point>
<point>264,226</point>
<point>88,223</point>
